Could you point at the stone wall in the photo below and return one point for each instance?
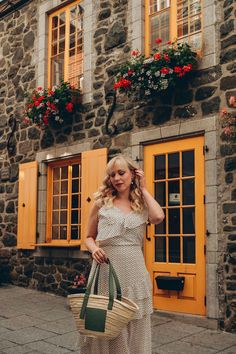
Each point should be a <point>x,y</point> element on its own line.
<point>200,97</point>
<point>227,179</point>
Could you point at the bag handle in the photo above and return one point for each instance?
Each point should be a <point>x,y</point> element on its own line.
<point>112,278</point>
<point>118,287</point>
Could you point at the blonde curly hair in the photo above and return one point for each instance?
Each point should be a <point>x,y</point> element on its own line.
<point>107,193</point>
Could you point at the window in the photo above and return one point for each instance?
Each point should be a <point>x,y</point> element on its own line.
<point>64,201</point>
<point>65,48</point>
<point>173,19</point>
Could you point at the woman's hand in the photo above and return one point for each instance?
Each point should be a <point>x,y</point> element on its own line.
<point>142,181</point>
<point>99,256</point>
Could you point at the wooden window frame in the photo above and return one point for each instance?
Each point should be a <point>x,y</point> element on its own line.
<point>66,9</point>
<point>49,240</point>
<point>173,26</point>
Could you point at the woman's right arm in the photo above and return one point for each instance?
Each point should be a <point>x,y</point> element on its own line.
<point>97,253</point>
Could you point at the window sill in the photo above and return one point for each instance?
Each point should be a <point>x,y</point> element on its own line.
<point>52,244</point>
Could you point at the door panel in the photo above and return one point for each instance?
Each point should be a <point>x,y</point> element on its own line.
<point>175,177</point>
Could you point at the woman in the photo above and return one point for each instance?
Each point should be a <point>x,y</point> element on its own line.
<point>115,230</point>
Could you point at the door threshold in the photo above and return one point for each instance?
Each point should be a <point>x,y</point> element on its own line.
<point>196,320</point>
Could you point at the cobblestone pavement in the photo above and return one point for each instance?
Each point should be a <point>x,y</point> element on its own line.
<point>35,322</point>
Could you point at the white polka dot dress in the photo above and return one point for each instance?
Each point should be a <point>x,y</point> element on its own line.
<point>121,236</point>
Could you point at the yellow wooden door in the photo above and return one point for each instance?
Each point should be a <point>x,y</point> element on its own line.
<point>176,248</point>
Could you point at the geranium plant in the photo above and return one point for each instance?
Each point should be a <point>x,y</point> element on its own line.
<point>162,69</point>
<point>229,121</point>
<point>52,105</point>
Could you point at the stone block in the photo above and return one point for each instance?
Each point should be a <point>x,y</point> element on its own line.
<point>210,106</point>
<point>150,134</point>
<point>211,218</point>
<point>210,142</point>
<point>171,130</point>
<point>208,13</point>
<point>211,194</point>
<point>212,243</point>
<point>211,173</point>
<point>212,307</point>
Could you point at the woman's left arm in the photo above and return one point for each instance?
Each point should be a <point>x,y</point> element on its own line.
<point>155,212</point>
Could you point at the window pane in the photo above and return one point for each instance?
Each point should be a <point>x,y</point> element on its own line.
<point>64,202</point>
<point>56,188</point>
<point>62,31</point>
<point>55,203</point>
<point>160,193</point>
<point>64,187</point>
<point>62,18</point>
<point>55,232</point>
<point>72,41</point>
<point>75,186</point>
<point>56,173</point>
<point>61,46</point>
<point>160,167</point>
<point>188,192</point>
<point>188,163</point>
<point>55,217</point>
<point>174,249</point>
<point>195,7</point>
<point>63,217</point>
<point>74,217</point>
<point>174,221</point>
<point>189,249</point>
<point>74,233</point>
<point>173,165</point>
<point>160,249</point>
<point>189,221</point>
<point>54,35</point>
<point>54,21</point>
<point>174,195</point>
<point>160,28</point>
<point>57,67</point>
<point>63,231</point>
<point>75,201</point>
<point>64,172</point>
<point>195,24</point>
<point>54,49</point>
<point>75,171</point>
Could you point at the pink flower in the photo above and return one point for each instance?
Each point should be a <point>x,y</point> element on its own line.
<point>223,112</point>
<point>130,72</point>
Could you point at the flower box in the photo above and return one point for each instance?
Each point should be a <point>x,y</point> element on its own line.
<point>53,106</point>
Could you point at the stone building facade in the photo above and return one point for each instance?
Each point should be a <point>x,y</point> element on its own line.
<point>111,30</point>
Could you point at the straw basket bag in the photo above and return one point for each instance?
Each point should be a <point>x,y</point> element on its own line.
<point>101,316</point>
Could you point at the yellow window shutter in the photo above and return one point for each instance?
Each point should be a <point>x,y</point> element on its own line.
<point>27,205</point>
<point>93,172</point>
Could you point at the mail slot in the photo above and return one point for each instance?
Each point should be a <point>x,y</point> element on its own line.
<point>170,283</point>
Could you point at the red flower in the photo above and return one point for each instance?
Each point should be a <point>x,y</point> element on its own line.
<point>157,56</point>
<point>187,68</point>
<point>130,72</point>
<point>158,40</point>
<point>30,105</point>
<point>166,57</point>
<point>169,43</point>
<point>40,88</point>
<point>69,107</point>
<point>232,101</point>
<point>122,83</point>
<point>134,53</point>
<point>165,71</point>
<point>45,120</point>
<point>36,103</point>
<point>177,69</point>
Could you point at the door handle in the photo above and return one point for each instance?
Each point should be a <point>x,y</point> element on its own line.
<point>147,237</point>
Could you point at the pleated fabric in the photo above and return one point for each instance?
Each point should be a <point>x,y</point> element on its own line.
<point>121,237</point>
